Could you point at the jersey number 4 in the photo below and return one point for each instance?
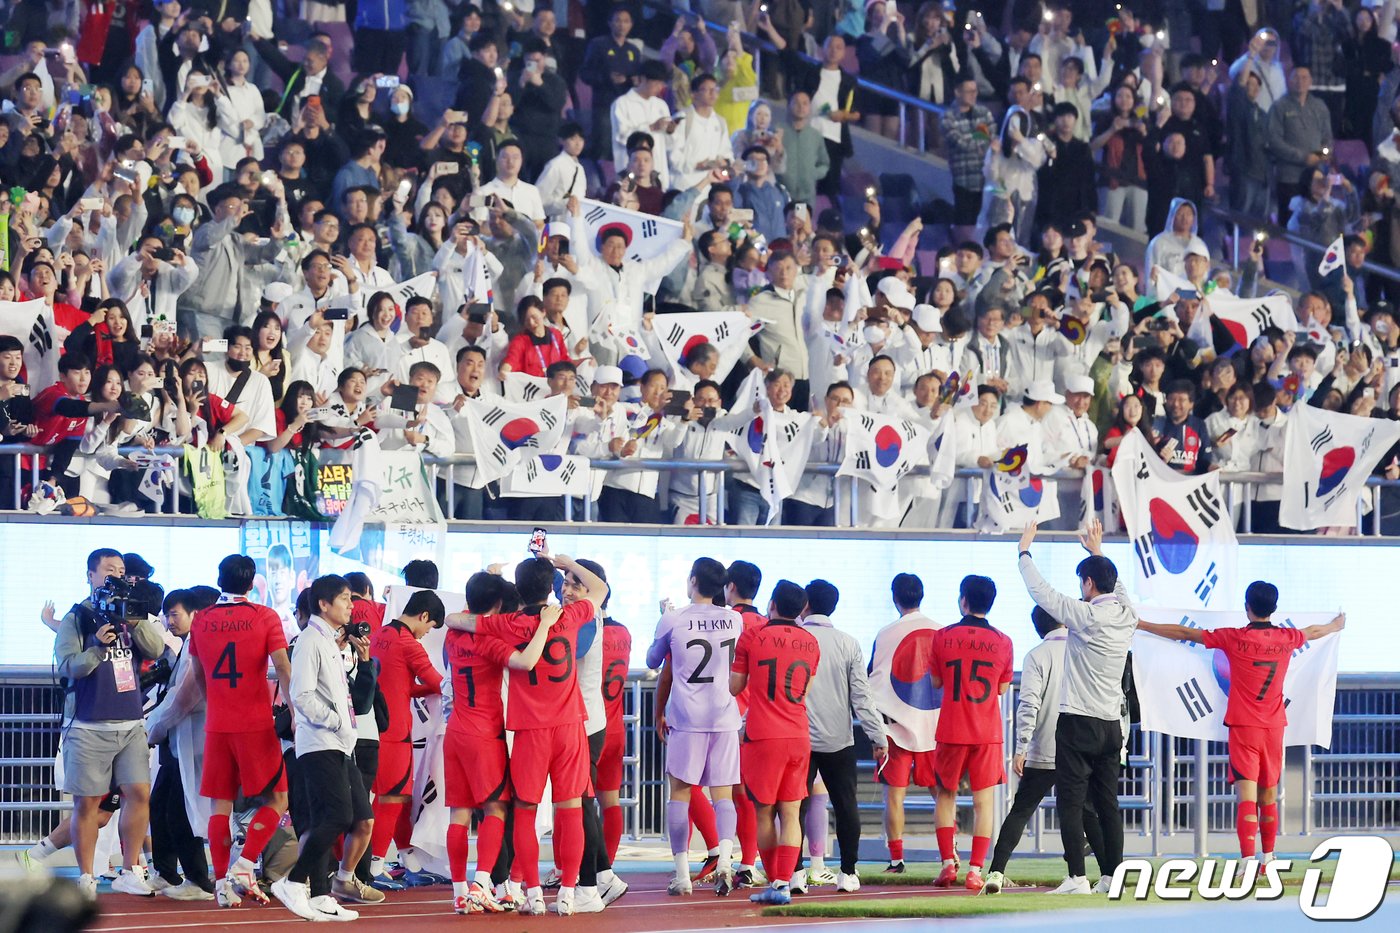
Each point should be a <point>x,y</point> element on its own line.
<point>226,668</point>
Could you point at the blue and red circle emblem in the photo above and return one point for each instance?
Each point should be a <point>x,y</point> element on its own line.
<point>888,446</point>
<point>1335,465</point>
<point>517,431</point>
<point>1172,538</point>
<point>911,671</point>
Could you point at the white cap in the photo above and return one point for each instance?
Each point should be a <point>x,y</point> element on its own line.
<point>926,319</point>
<point>1081,384</point>
<point>557,228</point>
<point>896,293</point>
<point>1043,391</point>
<point>277,292</point>
<point>1197,248</point>
<point>607,376</point>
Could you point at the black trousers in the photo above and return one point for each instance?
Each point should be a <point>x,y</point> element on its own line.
<point>1031,790</point>
<point>338,802</point>
<point>838,772</point>
<point>804,513</point>
<point>595,849</point>
<point>174,844</point>
<point>367,763</point>
<point>500,872</point>
<point>623,505</point>
<point>1086,767</point>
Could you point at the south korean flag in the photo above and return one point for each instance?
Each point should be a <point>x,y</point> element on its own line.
<point>1327,457</point>
<point>1180,527</point>
<point>647,236</point>
<point>727,331</point>
<point>506,434</point>
<point>881,449</point>
<point>522,387</point>
<point>32,323</point>
<point>549,475</point>
<point>420,286</point>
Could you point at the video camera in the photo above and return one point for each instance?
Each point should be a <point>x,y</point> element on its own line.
<point>118,600</point>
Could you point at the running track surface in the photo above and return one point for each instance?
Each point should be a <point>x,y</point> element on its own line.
<point>645,907</point>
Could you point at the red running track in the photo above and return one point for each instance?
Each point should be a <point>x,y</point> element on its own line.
<point>646,907</point>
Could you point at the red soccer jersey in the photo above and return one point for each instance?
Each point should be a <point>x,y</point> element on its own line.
<point>476,662</point>
<point>54,427</point>
<point>617,658</point>
<point>780,659</point>
<point>752,619</point>
<point>367,610</point>
<point>233,640</point>
<point>974,660</point>
<point>1258,654</point>
<point>404,673</point>
<point>547,696</point>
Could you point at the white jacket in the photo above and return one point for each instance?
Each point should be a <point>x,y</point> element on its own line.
<point>321,693</point>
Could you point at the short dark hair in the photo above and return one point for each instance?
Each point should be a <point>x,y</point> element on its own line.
<point>745,578</point>
<point>1044,622</point>
<point>1100,570</point>
<point>1183,386</point>
<point>202,597</point>
<point>710,577</point>
<point>595,568</point>
<point>534,578</point>
<point>360,584</point>
<point>325,590</point>
<point>99,555</point>
<point>470,348</point>
<point>559,366</point>
<point>72,362</point>
<point>429,602</point>
<point>1261,598</point>
<point>484,591</point>
<point>423,366</point>
<point>236,574</point>
<point>907,590</point>
<point>421,573</point>
<point>556,282</point>
<point>979,593</point>
<point>822,597</point>
<point>788,600</point>
<point>176,598</point>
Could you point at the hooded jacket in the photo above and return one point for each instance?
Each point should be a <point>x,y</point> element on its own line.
<point>1169,250</point>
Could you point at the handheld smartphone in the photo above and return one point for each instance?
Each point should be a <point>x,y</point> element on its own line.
<point>147,86</point>
<point>676,405</point>
<point>22,389</point>
<point>448,168</point>
<point>1224,438</point>
<point>387,81</point>
<point>539,540</point>
<point>147,331</point>
<point>267,179</point>
<point>336,314</point>
<point>214,345</point>
<point>405,398</point>
<point>163,253</point>
<point>91,204</point>
<point>402,192</point>
<point>176,143</point>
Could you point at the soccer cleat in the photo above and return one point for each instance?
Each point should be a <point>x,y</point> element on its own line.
<point>386,883</point>
<point>510,899</point>
<point>895,868</point>
<point>707,870</point>
<point>296,897</point>
<point>533,904</point>
<point>563,902</point>
<point>87,886</point>
<point>27,862</point>
<point>798,884</point>
<point>484,900</point>
<point>552,880</point>
<point>948,877</point>
<point>724,883</point>
<point>225,894</point>
<point>423,879</point>
<point>132,881</point>
<point>994,882</point>
<point>772,895</point>
<point>614,889</point>
<point>463,904</point>
<point>186,890</point>
<point>328,908</point>
<point>1074,885</point>
<point>848,884</point>
<point>244,876</point>
<point>820,878</point>
<point>587,900</point>
<point>356,891</point>
<point>974,882</point>
<point>1103,884</point>
<point>678,886</point>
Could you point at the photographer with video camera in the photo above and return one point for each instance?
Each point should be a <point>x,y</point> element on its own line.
<point>100,645</point>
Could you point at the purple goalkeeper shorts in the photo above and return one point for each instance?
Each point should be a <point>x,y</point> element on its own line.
<point>703,759</point>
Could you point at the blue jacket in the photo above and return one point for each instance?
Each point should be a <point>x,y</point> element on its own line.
<point>387,15</point>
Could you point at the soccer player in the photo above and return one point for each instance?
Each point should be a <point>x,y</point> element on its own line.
<point>780,659</point>
<point>365,608</point>
<point>405,672</point>
<point>975,661</point>
<point>617,659</point>
<point>702,717</point>
<point>545,711</point>
<point>911,715</point>
<point>1258,654</point>
<point>740,592</point>
<point>230,646</point>
<point>474,745</point>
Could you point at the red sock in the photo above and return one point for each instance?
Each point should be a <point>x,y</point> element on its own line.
<point>612,829</point>
<point>980,845</point>
<point>527,847</point>
<point>770,862</point>
<point>568,844</point>
<point>786,863</point>
<point>946,847</point>
<point>386,816</point>
<point>747,828</point>
<point>489,836</point>
<point>896,850</point>
<point>702,814</point>
<point>220,843</point>
<point>457,852</point>
<point>260,830</point>
<point>1268,827</point>
<point>1246,826</point>
<point>403,828</point>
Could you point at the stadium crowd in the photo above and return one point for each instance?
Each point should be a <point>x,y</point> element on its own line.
<point>216,205</point>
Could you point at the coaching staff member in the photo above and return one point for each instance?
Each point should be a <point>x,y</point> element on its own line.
<point>1089,735</point>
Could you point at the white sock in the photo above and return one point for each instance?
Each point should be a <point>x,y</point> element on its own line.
<point>682,860</point>
<point>725,855</point>
<point>712,853</point>
<point>408,858</point>
<point>586,891</point>
<point>42,849</point>
<point>743,867</point>
<point>946,862</point>
<point>533,893</point>
<point>605,877</point>
<point>818,863</point>
<point>376,866</point>
<point>483,878</point>
<point>459,888</point>
<point>344,876</point>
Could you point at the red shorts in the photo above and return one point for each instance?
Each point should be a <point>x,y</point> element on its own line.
<point>903,764</point>
<point>395,775</point>
<point>474,770</point>
<point>775,769</point>
<point>558,754</point>
<point>984,765</point>
<point>1256,754</point>
<point>610,761</point>
<point>248,760</point>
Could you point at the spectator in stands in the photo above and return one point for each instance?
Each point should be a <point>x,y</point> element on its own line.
<point>644,110</point>
<point>760,193</point>
<point>1246,157</point>
<point>1181,438</point>
<point>967,131</point>
<point>1299,136</point>
<point>884,56</point>
<point>1168,249</point>
<point>701,142</point>
<point>782,344</point>
<point>1326,208</point>
<point>833,94</point>
<point>806,159</point>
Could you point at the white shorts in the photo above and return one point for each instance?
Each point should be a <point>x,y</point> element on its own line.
<point>703,759</point>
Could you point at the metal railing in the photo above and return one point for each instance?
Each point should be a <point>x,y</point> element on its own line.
<point>1244,222</point>
<point>710,474</point>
